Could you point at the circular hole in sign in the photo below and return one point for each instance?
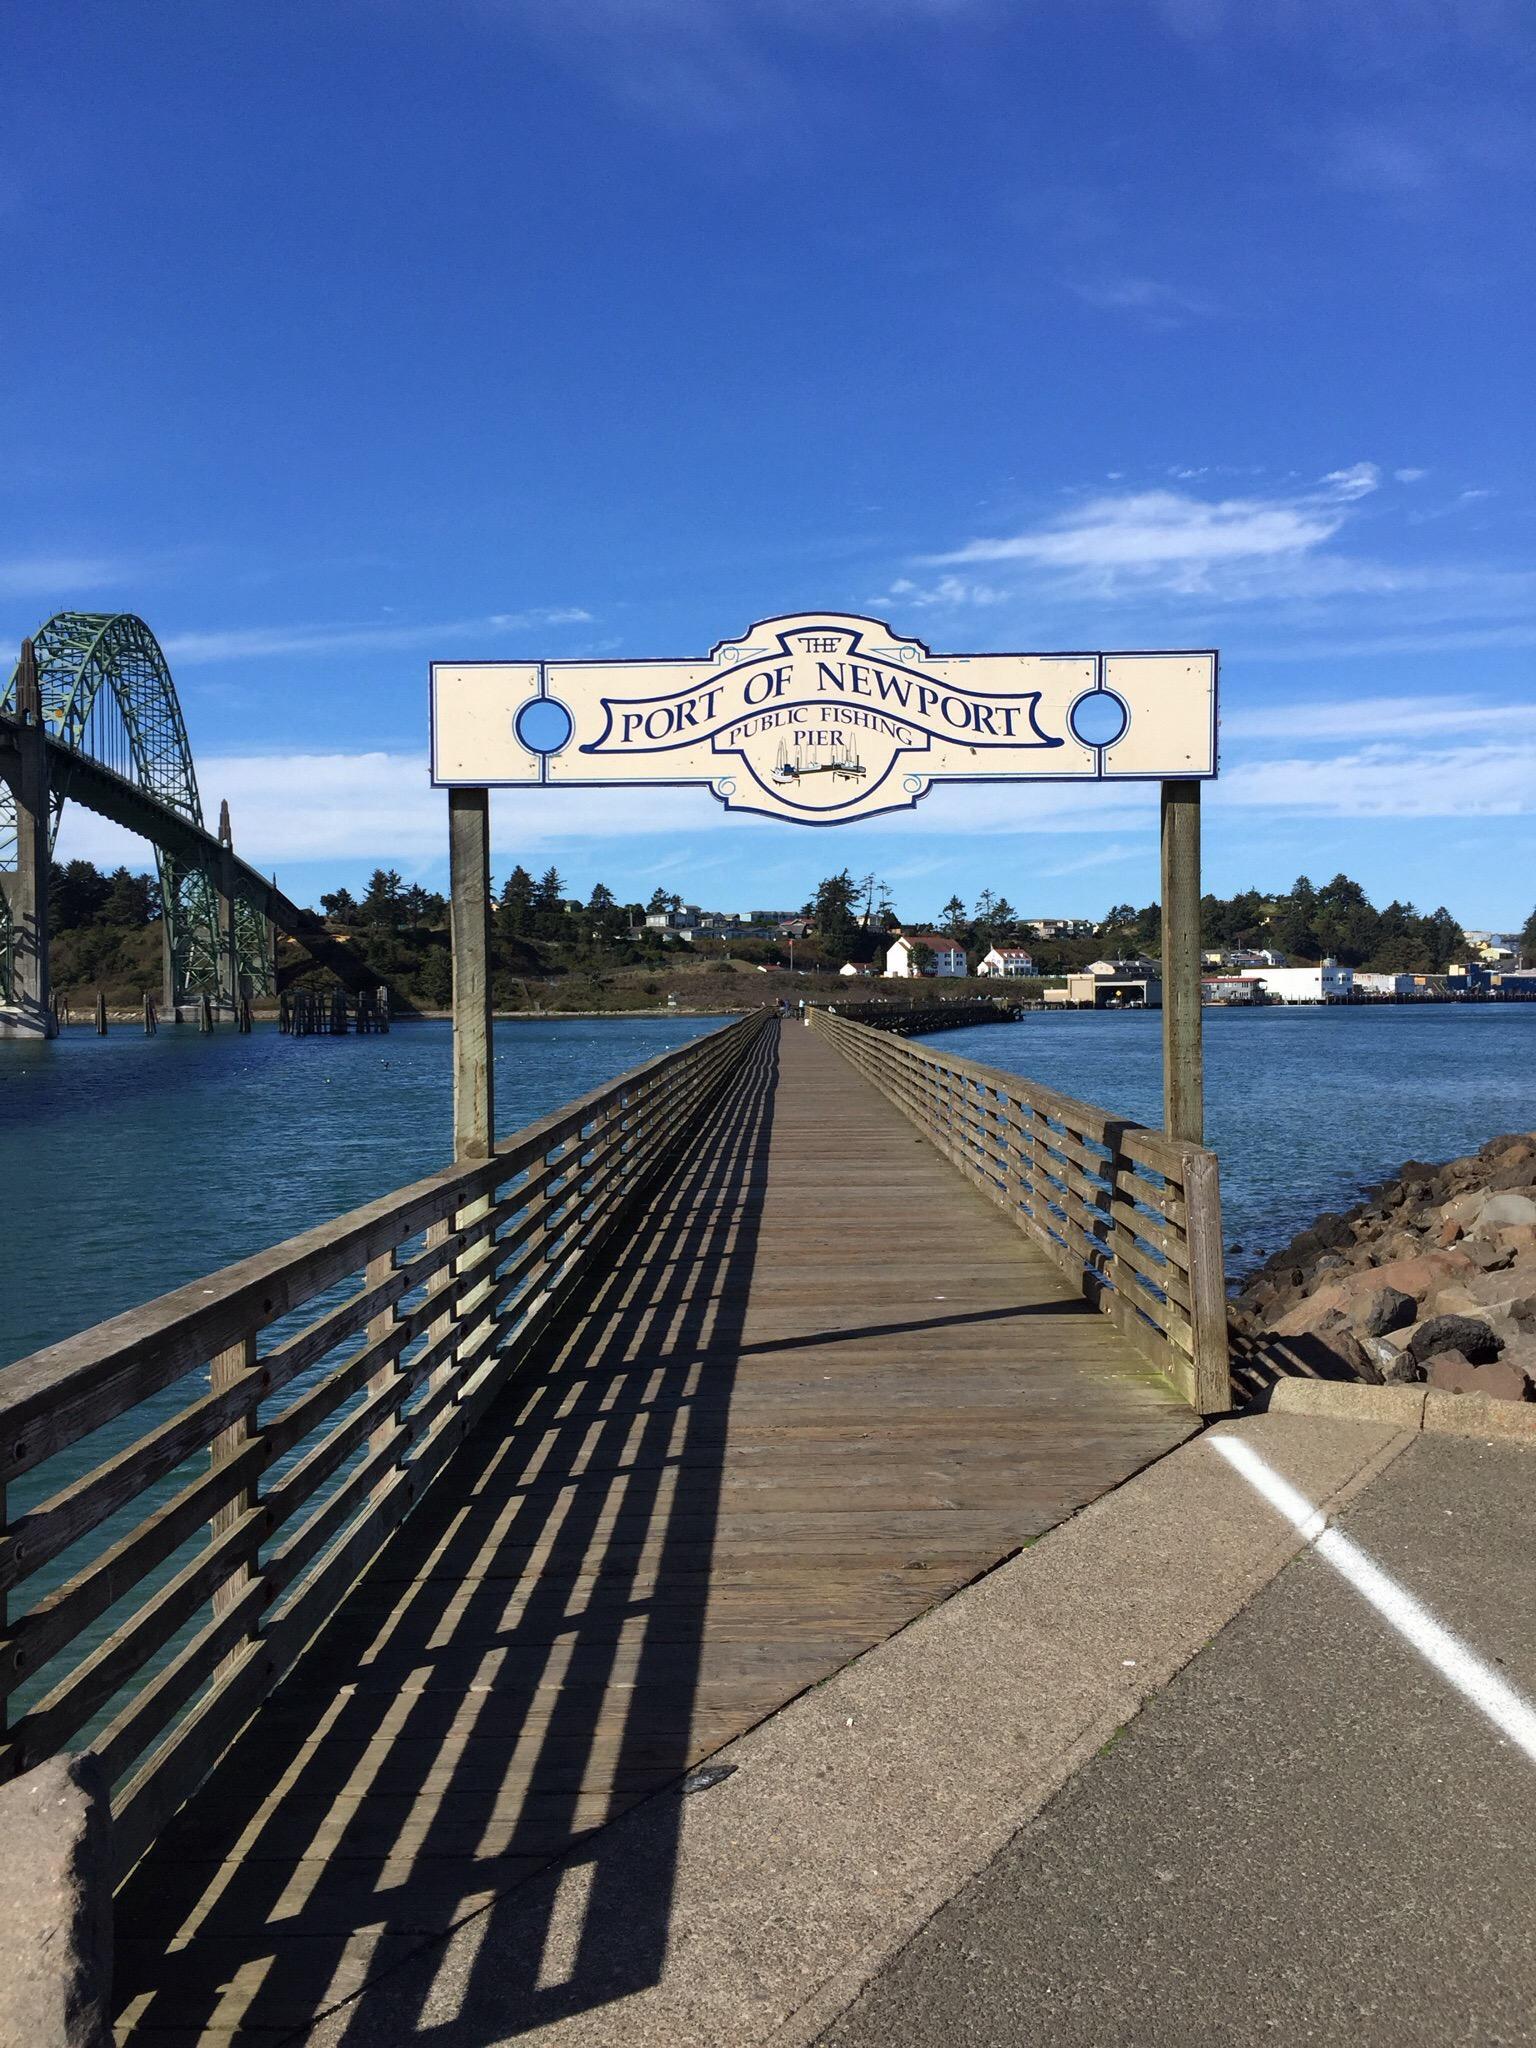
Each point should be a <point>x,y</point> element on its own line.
<point>543,725</point>
<point>1099,718</point>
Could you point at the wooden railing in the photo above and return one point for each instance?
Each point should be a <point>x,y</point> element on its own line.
<point>1130,1215</point>
<point>913,1020</point>
<point>264,1428</point>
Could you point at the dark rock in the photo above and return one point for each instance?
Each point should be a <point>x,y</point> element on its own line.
<point>1467,1334</point>
<point>1383,1310</point>
<point>56,1906</point>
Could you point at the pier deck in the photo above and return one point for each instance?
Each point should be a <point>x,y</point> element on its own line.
<point>823,1384</point>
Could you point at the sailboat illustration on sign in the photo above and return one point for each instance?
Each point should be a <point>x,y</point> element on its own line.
<point>836,759</point>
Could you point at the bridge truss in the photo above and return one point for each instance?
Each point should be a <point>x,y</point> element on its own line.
<point>108,697</point>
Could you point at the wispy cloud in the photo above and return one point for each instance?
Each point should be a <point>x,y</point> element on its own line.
<point>713,64</point>
<point>257,643</point>
<point>61,578</point>
<point>1390,782</point>
<point>1152,300</point>
<point>1174,537</point>
<point>1374,718</point>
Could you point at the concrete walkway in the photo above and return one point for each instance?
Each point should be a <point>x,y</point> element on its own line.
<point>1310,1836</point>
<point>1306,1836</point>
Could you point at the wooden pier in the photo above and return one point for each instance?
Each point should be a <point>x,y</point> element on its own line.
<point>505,1501</point>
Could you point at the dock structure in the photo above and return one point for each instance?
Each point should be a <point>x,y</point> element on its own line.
<point>433,1539</point>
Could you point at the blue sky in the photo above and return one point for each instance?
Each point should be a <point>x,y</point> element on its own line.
<point>346,335</point>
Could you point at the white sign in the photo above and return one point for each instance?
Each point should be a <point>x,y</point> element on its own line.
<point>823,718</point>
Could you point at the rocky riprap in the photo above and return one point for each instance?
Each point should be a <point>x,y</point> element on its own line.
<point>1433,1277</point>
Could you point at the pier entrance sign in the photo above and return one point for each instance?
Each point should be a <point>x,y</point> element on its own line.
<point>824,718</point>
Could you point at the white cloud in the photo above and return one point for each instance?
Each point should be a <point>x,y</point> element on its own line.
<point>950,592</point>
<point>1373,718</point>
<point>380,807</point>
<point>1410,476</point>
<point>256,643</point>
<point>59,578</point>
<point>1162,530</point>
<point>1390,782</point>
<point>1358,481</point>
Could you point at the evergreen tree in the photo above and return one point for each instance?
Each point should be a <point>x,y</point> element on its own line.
<point>549,918</point>
<point>340,906</point>
<point>514,912</point>
<point>833,912</point>
<point>127,901</point>
<point>76,894</point>
<point>381,902</point>
<point>952,919</point>
<point>1528,941</point>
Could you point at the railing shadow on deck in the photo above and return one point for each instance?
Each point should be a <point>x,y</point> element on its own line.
<point>536,1626</point>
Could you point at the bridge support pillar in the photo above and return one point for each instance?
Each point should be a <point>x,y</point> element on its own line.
<point>30,1011</point>
<point>169,1006</point>
<point>229,946</point>
<point>1183,1052</point>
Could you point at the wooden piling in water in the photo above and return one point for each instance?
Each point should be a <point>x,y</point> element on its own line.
<point>101,1013</point>
<point>151,1019</point>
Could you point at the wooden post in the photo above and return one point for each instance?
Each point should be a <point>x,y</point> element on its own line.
<point>469,872</point>
<point>1183,1062</point>
<point>101,1013</point>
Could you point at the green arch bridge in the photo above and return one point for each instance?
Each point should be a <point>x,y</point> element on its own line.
<point>90,715</point>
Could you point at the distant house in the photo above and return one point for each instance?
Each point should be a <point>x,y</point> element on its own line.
<point>856,968</point>
<point>796,928</point>
<point>1122,970</point>
<point>1007,963</point>
<point>1222,989</point>
<point>1059,927</point>
<point>1242,956</point>
<point>947,956</point>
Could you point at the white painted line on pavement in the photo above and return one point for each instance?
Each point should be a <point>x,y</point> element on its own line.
<point>1460,1667</point>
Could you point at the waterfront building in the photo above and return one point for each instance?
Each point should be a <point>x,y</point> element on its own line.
<point>1368,983</point>
<point>1223,989</point>
<point>1007,963</point>
<point>1325,983</point>
<point>1092,991</point>
<point>949,959</point>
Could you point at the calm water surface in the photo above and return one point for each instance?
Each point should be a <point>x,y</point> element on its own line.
<point>130,1165</point>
